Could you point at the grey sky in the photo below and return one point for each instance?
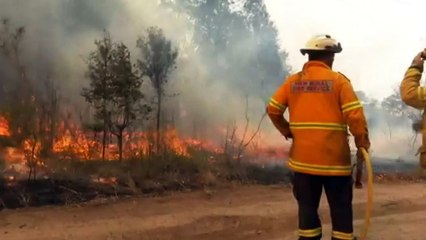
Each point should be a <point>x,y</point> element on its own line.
<point>379,37</point>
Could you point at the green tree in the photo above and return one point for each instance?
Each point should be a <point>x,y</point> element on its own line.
<point>126,94</point>
<point>157,61</point>
<point>397,108</point>
<point>267,61</point>
<point>238,43</point>
<point>99,92</point>
<point>400,112</point>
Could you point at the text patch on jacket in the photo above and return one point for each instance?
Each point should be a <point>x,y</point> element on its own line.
<point>312,86</point>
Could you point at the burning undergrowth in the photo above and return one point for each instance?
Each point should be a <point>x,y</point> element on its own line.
<point>74,171</point>
<point>153,106</point>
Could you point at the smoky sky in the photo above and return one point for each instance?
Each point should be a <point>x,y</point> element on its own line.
<point>61,33</point>
<point>54,30</point>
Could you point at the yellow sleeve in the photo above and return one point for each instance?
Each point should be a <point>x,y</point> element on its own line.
<point>353,115</point>
<point>278,102</point>
<point>277,106</point>
<point>411,93</point>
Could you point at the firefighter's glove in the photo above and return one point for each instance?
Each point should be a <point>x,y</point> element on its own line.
<point>288,136</point>
<point>419,60</point>
<point>360,155</point>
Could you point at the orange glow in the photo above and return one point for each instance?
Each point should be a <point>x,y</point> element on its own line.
<point>110,180</point>
<point>4,127</point>
<point>71,142</point>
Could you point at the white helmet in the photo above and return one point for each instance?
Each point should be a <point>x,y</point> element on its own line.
<point>322,42</point>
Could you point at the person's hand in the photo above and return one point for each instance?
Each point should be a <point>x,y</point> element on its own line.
<point>360,155</point>
<point>288,136</point>
<point>418,60</point>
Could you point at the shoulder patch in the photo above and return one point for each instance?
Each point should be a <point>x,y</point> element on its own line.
<point>343,75</point>
<point>312,86</point>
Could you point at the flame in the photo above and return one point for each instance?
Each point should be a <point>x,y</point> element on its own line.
<point>4,127</point>
<point>79,145</point>
<point>75,145</point>
<point>105,180</point>
<point>72,142</point>
<point>32,149</point>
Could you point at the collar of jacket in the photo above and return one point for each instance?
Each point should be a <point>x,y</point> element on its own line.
<point>315,64</point>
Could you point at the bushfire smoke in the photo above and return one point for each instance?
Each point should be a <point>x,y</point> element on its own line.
<point>217,82</point>
<point>213,94</point>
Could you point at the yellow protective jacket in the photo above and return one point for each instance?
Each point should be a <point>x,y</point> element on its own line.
<point>322,105</point>
<point>414,95</point>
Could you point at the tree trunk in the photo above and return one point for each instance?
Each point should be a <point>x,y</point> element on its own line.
<point>158,120</point>
<point>120,144</point>
<point>104,136</point>
<point>52,132</point>
<point>30,162</point>
<point>53,121</point>
<point>35,170</point>
<point>30,173</point>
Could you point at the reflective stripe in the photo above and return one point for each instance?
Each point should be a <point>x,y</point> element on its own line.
<point>351,106</point>
<point>421,93</point>
<point>342,235</point>
<point>413,72</point>
<point>318,125</point>
<point>319,168</point>
<point>310,232</point>
<point>276,104</point>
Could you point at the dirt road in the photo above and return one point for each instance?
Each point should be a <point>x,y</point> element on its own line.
<point>250,212</point>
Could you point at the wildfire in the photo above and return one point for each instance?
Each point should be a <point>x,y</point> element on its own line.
<point>76,145</point>
<point>79,145</point>
<point>71,142</point>
<point>109,180</point>
<point>206,145</point>
<point>4,127</point>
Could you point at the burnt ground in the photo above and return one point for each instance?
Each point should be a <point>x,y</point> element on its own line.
<point>59,208</point>
<point>229,212</point>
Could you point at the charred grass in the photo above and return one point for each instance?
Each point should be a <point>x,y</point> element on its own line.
<point>72,181</point>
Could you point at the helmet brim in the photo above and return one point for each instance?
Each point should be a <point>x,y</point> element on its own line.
<point>328,49</point>
<point>304,51</point>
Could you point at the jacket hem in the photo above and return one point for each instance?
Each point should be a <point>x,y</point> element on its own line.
<point>347,171</point>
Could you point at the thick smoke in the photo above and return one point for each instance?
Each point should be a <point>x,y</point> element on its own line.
<point>390,124</point>
<point>60,34</point>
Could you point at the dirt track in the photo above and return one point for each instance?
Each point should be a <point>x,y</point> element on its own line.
<point>251,212</point>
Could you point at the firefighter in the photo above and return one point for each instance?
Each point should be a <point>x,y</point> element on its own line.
<point>322,105</point>
<point>414,95</point>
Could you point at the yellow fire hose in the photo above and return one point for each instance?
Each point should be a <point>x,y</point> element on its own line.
<point>369,205</point>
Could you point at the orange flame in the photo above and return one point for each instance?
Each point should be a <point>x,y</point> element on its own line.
<point>4,127</point>
<point>72,142</point>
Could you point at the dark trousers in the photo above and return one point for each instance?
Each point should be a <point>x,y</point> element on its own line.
<point>307,190</point>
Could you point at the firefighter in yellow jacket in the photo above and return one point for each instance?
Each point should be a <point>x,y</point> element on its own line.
<point>414,95</point>
<point>322,105</point>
